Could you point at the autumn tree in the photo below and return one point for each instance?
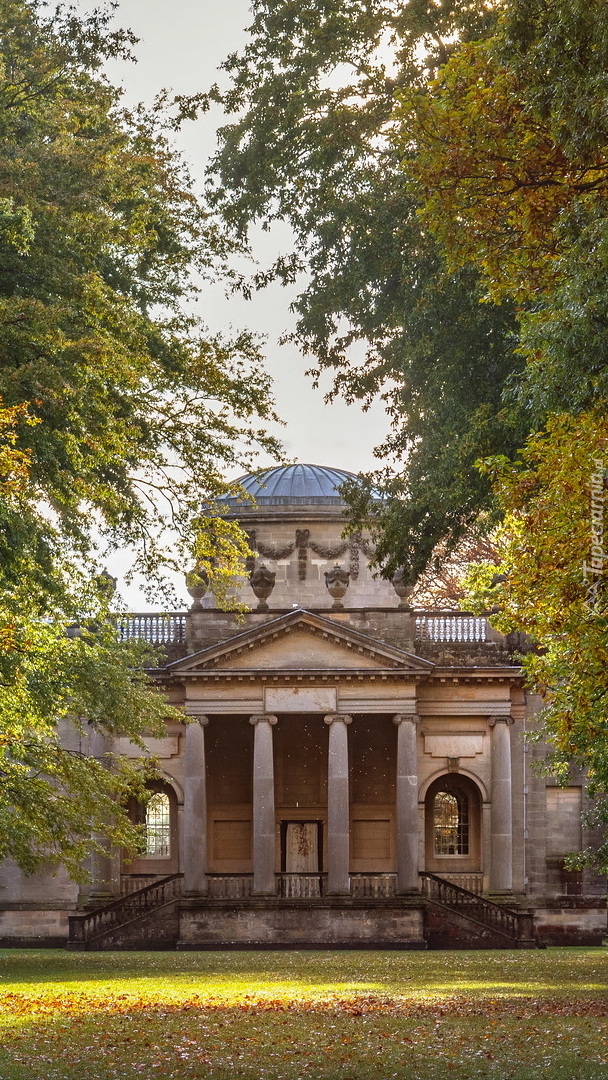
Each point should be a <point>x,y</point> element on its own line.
<point>444,583</point>
<point>511,165</point>
<point>53,793</point>
<point>552,553</point>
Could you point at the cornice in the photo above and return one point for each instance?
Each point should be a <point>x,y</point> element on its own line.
<point>300,676</point>
<point>478,676</point>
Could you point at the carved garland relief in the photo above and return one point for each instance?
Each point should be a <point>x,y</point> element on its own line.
<point>303,544</point>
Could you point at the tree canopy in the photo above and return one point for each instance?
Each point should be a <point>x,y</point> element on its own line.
<point>444,169</point>
<point>551,551</point>
<point>511,169</point>
<point>141,411</point>
<point>57,688</point>
<point>314,107</point>
<point>119,415</point>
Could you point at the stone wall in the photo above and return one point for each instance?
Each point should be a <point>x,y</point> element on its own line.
<point>158,930</point>
<point>33,927</point>
<point>571,923</point>
<point>281,924</point>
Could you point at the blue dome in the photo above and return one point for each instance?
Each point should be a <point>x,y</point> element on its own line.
<point>294,485</point>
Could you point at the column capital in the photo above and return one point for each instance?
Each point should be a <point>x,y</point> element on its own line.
<point>194,718</point>
<point>341,718</point>
<point>493,720</point>
<point>263,718</point>
<point>401,718</point>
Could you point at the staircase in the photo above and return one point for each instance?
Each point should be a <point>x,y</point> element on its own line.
<point>458,919</point>
<point>145,918</point>
<point>454,918</point>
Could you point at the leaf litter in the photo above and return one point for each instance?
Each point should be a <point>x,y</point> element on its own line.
<point>245,1017</point>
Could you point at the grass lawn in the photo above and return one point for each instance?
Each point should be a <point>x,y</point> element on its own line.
<point>309,1015</point>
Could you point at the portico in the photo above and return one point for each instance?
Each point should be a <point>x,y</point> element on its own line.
<point>308,784</point>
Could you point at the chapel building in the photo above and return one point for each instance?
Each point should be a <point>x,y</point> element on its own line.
<point>353,772</point>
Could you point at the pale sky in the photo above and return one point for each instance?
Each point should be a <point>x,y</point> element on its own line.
<point>181,45</point>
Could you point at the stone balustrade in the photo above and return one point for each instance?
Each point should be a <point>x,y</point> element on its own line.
<point>451,628</point>
<point>155,628</point>
<point>171,628</point>
<point>288,886</point>
<point>373,886</point>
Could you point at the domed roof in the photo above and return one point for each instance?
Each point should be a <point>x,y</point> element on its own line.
<point>294,485</point>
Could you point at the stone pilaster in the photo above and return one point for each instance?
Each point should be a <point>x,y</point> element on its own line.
<point>263,806</point>
<point>103,887</point>
<point>501,871</point>
<point>407,803</point>
<point>338,831</point>
<point>195,809</point>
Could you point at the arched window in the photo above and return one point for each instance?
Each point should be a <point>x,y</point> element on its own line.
<point>158,827</point>
<point>451,823</point>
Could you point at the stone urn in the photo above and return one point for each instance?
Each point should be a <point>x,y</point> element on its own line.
<point>262,582</point>
<point>403,591</point>
<point>337,581</point>
<point>106,584</point>
<point>197,582</point>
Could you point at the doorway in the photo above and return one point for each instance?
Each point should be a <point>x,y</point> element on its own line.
<point>301,847</point>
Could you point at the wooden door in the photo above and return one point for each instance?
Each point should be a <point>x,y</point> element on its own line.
<point>302,847</point>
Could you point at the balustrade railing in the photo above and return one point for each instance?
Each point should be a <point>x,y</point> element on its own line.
<point>170,628</point>
<point>373,886</point>
<point>93,924</point>
<point>229,886</point>
<point>153,627</point>
<point>471,882</point>
<point>451,628</point>
<point>512,924</point>
<point>130,883</point>
<point>301,886</point>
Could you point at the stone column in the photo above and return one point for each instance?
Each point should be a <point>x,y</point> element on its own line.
<point>263,806</point>
<point>407,803</point>
<point>501,874</point>
<point>338,832</point>
<point>102,884</point>
<point>195,808</point>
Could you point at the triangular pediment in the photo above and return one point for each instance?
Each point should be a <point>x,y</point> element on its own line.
<point>301,641</point>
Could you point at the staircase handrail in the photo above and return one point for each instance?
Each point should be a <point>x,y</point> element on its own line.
<point>90,924</point>
<point>516,924</point>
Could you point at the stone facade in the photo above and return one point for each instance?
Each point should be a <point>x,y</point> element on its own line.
<point>336,749</point>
